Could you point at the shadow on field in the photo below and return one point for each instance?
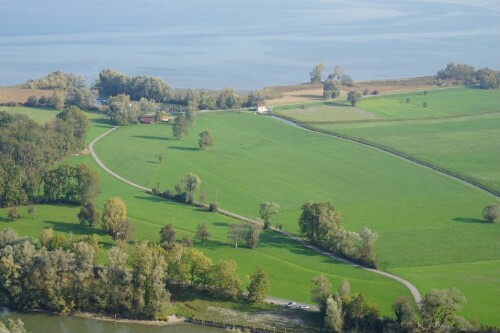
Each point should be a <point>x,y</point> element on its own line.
<point>185,148</point>
<point>76,229</point>
<point>4,219</point>
<point>150,198</point>
<point>468,220</point>
<point>102,122</point>
<point>151,137</point>
<point>221,224</point>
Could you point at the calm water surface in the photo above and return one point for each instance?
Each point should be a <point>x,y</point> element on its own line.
<point>41,323</point>
<point>244,44</point>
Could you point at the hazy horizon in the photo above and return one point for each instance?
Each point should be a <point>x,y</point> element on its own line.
<point>246,45</point>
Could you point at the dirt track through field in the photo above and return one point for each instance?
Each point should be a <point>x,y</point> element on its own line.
<point>414,291</point>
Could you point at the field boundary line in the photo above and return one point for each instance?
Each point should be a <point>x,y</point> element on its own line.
<point>391,151</point>
<point>413,290</point>
<point>366,121</point>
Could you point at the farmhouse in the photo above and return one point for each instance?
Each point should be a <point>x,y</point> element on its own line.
<point>147,118</point>
<point>164,119</point>
<point>262,109</point>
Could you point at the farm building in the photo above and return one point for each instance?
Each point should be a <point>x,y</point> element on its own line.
<point>262,109</point>
<point>164,119</point>
<point>147,118</point>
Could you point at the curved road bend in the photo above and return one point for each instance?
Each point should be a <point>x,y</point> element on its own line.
<point>414,291</point>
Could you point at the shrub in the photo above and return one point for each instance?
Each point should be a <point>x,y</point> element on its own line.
<point>213,207</point>
<point>491,213</point>
<point>376,92</point>
<point>13,214</point>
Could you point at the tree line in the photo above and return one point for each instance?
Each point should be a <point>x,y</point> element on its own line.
<point>29,150</point>
<point>63,277</point>
<point>319,222</point>
<point>344,311</point>
<point>466,74</point>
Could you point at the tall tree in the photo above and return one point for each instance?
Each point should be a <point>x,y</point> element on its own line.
<point>224,281</point>
<point>180,126</point>
<point>191,183</point>
<point>267,212</point>
<point>167,234</point>
<point>88,215</point>
<point>334,319</point>
<point>115,212</point>
<point>228,99</point>
<point>321,292</point>
<point>317,71</point>
<point>403,311</point>
<point>122,111</point>
<point>236,232</point>
<point>440,307</point>
<point>252,235</point>
<point>202,233</point>
<point>198,266</point>
<point>354,97</point>
<point>319,221</point>
<point>258,286</point>
<point>206,139</point>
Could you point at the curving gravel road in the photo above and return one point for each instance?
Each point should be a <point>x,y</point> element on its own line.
<point>414,291</point>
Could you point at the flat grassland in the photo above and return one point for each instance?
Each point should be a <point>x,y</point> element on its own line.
<point>424,220</point>
<point>289,266</point>
<point>40,115</point>
<point>469,146</point>
<point>440,103</point>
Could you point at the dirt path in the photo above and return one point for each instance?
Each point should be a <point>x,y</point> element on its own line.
<point>414,291</point>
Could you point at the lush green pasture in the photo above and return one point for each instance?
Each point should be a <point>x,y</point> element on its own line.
<point>422,218</point>
<point>482,302</point>
<point>440,103</point>
<point>467,145</point>
<point>289,266</point>
<point>40,115</point>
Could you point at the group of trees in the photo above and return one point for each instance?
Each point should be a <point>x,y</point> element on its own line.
<point>227,98</point>
<point>344,311</point>
<point>248,232</point>
<point>220,279</point>
<point>111,83</point>
<point>62,279</point>
<point>334,81</point>
<point>68,90</point>
<point>465,74</point>
<point>123,111</point>
<point>28,151</point>
<point>320,223</point>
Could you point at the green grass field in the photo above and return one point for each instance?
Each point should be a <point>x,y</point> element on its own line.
<point>423,219</point>
<point>429,226</point>
<point>289,266</point>
<point>469,146</point>
<point>440,103</point>
<point>40,115</point>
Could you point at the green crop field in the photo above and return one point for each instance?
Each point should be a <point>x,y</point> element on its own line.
<point>469,146</point>
<point>423,219</point>
<point>440,103</point>
<point>39,115</point>
<point>289,266</point>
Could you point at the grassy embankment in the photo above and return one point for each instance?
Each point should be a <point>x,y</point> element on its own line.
<point>290,267</point>
<point>424,219</point>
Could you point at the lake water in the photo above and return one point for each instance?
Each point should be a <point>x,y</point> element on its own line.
<point>244,44</point>
<point>42,323</point>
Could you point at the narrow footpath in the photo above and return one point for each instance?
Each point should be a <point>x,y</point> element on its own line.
<point>414,291</point>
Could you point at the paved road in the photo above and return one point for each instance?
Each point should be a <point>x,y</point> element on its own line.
<point>414,291</point>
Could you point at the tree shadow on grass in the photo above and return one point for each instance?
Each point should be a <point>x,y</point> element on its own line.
<point>76,229</point>
<point>150,198</point>
<point>221,224</point>
<point>4,219</point>
<point>184,148</point>
<point>152,137</point>
<point>469,220</point>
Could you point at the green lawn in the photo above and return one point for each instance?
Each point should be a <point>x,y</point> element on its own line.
<point>423,218</point>
<point>440,103</point>
<point>40,115</point>
<point>289,266</point>
<point>467,145</point>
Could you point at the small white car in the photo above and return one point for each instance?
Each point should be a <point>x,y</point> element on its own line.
<point>290,304</point>
<point>304,306</point>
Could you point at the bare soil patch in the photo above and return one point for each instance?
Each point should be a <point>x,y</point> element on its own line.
<point>19,95</point>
